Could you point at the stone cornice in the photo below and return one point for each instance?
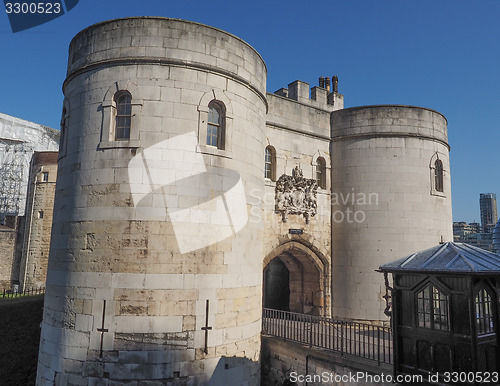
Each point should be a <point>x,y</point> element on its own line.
<point>389,135</point>
<point>164,62</point>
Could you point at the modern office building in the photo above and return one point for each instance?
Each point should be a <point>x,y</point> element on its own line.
<point>488,208</point>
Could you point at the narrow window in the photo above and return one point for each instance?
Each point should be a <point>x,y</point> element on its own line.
<point>321,172</point>
<point>484,313</point>
<point>40,214</point>
<point>45,176</point>
<point>215,126</point>
<point>438,175</point>
<point>123,118</point>
<point>64,123</point>
<point>432,308</point>
<point>270,163</point>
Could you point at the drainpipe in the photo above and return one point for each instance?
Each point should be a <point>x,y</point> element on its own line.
<point>27,230</point>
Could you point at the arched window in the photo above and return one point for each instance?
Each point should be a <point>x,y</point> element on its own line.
<point>63,139</point>
<point>215,125</point>
<point>123,117</point>
<point>484,313</point>
<point>321,172</point>
<point>64,123</point>
<point>432,308</point>
<point>438,175</point>
<point>270,163</point>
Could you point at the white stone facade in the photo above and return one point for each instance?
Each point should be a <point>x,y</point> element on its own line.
<point>383,177</point>
<point>147,230</point>
<point>158,236</point>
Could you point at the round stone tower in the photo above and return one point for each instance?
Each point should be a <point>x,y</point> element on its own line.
<point>155,269</point>
<point>391,197</point>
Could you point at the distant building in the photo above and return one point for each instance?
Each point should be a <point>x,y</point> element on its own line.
<point>496,237</point>
<point>489,228</point>
<point>488,208</point>
<point>476,226</point>
<point>25,148</point>
<point>461,229</point>
<point>38,223</point>
<point>19,139</point>
<point>481,240</point>
<point>471,234</point>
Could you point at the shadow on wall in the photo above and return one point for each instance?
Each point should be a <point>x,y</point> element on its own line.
<point>235,371</point>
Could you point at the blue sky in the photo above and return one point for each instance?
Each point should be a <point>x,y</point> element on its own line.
<point>441,54</point>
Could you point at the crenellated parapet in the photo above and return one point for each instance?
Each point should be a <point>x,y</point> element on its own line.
<point>325,96</point>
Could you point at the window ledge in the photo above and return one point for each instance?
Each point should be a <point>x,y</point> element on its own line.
<point>269,182</point>
<point>439,194</point>
<point>133,143</point>
<point>204,149</point>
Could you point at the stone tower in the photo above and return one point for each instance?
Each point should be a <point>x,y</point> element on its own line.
<point>391,196</point>
<point>155,269</point>
<point>39,213</point>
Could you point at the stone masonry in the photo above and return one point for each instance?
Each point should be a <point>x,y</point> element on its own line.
<point>148,280</point>
<point>166,240</point>
<point>7,245</point>
<point>38,225</point>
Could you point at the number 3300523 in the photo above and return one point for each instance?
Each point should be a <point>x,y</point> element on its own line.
<point>33,7</point>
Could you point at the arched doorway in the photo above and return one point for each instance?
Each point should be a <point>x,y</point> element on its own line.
<point>277,285</point>
<point>296,279</point>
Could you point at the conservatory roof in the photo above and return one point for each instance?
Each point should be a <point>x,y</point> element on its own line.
<point>448,257</point>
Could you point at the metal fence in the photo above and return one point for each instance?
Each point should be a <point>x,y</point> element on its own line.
<point>18,293</point>
<point>346,337</point>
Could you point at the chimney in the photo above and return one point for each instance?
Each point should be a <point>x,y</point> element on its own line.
<point>327,84</point>
<point>322,81</point>
<point>335,81</point>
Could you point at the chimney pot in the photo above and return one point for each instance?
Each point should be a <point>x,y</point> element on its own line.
<point>335,82</point>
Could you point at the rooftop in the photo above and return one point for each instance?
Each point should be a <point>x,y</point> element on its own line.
<point>448,257</point>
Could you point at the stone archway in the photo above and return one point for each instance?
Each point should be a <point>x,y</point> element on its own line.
<point>296,279</point>
<point>277,285</point>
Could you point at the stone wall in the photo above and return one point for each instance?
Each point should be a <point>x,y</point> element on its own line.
<point>147,230</point>
<point>299,133</point>
<point>39,213</point>
<point>160,241</point>
<point>7,245</point>
<point>385,205</point>
<point>284,361</point>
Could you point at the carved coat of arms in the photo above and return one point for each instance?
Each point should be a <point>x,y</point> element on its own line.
<point>296,195</point>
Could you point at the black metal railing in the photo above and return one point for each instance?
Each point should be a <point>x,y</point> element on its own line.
<point>346,337</point>
<point>17,293</point>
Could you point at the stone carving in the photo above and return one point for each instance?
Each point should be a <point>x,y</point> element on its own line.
<point>296,195</point>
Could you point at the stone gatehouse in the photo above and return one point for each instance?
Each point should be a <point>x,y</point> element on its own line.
<point>187,196</point>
